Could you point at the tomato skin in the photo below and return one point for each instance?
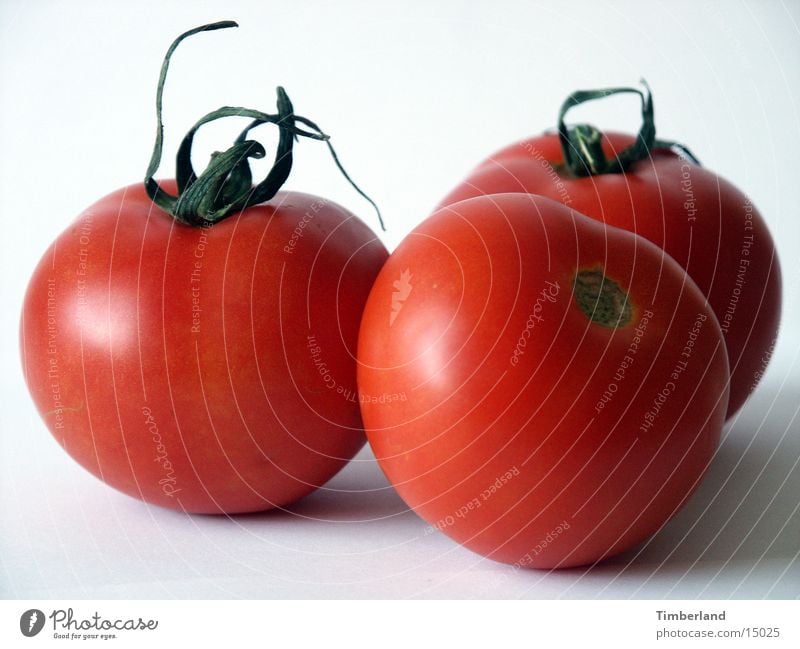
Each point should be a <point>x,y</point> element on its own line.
<point>450,415</point>
<point>175,363</point>
<point>703,221</point>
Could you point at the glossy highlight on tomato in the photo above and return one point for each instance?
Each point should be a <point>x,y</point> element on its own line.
<point>564,383</point>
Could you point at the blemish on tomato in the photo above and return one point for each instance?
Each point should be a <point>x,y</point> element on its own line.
<point>601,299</point>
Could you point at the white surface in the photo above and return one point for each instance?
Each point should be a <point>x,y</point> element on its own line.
<point>414,94</point>
<point>67,537</point>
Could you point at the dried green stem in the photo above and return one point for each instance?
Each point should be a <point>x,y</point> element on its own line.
<point>225,186</point>
<point>581,144</point>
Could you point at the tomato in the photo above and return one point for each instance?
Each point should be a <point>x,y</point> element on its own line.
<point>192,343</point>
<point>704,222</point>
<point>544,389</point>
<point>205,369</point>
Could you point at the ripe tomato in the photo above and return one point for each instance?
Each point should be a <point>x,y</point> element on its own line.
<point>205,369</point>
<point>544,389</point>
<point>704,222</point>
<point>193,343</point>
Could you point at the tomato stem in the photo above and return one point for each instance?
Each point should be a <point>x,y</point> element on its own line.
<point>581,144</point>
<point>225,186</point>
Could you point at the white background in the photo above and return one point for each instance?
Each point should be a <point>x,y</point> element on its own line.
<point>414,94</point>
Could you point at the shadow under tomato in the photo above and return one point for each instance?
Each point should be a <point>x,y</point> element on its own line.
<point>358,493</point>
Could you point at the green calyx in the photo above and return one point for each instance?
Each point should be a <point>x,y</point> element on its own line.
<point>225,186</point>
<point>581,144</point>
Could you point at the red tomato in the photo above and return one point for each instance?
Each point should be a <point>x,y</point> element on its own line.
<point>700,219</point>
<point>544,389</point>
<point>204,369</point>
